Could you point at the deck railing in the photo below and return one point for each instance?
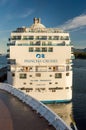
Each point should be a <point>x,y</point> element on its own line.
<point>40,108</point>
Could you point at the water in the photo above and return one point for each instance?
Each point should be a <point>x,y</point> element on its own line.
<point>3,61</point>
<point>77,107</point>
<point>79,93</point>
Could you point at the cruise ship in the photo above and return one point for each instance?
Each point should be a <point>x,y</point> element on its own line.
<point>40,62</point>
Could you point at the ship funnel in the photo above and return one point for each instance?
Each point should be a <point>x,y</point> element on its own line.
<point>36,20</point>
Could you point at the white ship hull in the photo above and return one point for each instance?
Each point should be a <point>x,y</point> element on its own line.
<point>41,63</point>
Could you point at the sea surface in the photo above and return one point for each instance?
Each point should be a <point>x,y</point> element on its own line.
<point>79,93</point>
<point>76,110</point>
<point>3,61</point>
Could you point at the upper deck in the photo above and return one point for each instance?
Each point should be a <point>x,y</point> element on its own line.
<point>37,27</point>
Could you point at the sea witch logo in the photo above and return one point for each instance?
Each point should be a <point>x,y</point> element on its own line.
<point>40,60</point>
<point>40,56</point>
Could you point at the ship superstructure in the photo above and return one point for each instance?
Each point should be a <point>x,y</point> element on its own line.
<point>40,62</point>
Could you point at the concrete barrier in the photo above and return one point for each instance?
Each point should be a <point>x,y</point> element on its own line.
<point>40,108</point>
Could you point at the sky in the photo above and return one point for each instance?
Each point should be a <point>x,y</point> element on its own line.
<point>69,15</point>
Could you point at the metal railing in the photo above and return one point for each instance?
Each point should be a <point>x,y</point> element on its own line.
<point>40,108</point>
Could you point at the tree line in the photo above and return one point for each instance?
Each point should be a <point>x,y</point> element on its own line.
<point>80,55</point>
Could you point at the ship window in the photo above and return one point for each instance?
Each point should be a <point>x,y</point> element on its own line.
<point>16,38</point>
<point>24,83</point>
<point>22,88</point>
<point>40,89</point>
<point>54,68</point>
<point>24,69</point>
<point>43,43</point>
<point>67,68</point>
<point>56,82</point>
<point>44,49</point>
<point>31,43</point>
<point>41,68</point>
<point>59,88</point>
<point>52,89</point>
<point>67,88</point>
<point>37,49</point>
<point>37,89</point>
<point>56,38</point>
<point>66,37</point>
<point>31,49</point>
<point>58,75</point>
<point>67,74</point>
<point>13,74</point>
<point>25,38</point>
<point>50,37</point>
<point>38,74</point>
<point>12,61</point>
<point>49,43</point>
<point>31,37</point>
<point>28,89</point>
<point>72,50</point>
<point>8,68</point>
<point>61,38</point>
<point>37,38</point>
<point>50,83</point>
<point>44,38</point>
<point>67,61</point>
<point>19,44</point>
<point>30,75</point>
<point>38,43</point>
<point>30,68</point>
<point>50,49</point>
<point>50,75</point>
<point>23,76</point>
<point>61,68</point>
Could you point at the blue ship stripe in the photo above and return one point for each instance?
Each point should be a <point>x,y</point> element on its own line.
<point>55,101</point>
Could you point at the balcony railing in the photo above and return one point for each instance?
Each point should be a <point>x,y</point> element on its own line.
<point>15,68</point>
<point>42,44</point>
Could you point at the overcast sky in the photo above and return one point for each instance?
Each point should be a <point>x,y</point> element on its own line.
<point>69,15</point>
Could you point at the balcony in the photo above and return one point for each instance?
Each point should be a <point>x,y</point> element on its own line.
<point>8,56</point>
<point>72,56</point>
<point>11,61</point>
<point>10,44</point>
<point>38,68</point>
